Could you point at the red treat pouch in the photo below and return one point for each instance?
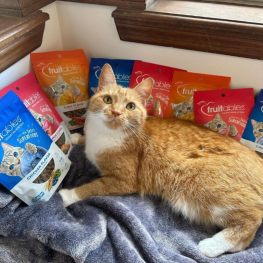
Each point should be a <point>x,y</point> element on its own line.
<point>42,110</point>
<point>184,85</point>
<point>158,101</point>
<point>63,76</point>
<point>224,111</point>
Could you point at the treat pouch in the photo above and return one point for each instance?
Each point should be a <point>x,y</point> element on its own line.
<point>224,111</point>
<point>122,69</point>
<point>157,103</point>
<point>63,76</point>
<point>32,165</point>
<point>253,134</point>
<point>184,84</point>
<point>42,110</point>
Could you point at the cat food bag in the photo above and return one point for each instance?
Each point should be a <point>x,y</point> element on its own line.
<point>253,134</point>
<point>184,84</point>
<point>157,103</point>
<point>122,69</point>
<point>32,165</point>
<point>42,110</point>
<point>224,111</point>
<point>63,76</point>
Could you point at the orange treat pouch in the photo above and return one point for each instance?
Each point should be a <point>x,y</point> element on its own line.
<point>63,76</point>
<point>181,102</point>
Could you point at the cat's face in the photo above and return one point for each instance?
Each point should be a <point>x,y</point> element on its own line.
<point>183,108</point>
<point>257,129</point>
<point>57,88</point>
<point>11,160</point>
<point>39,117</point>
<point>117,107</point>
<point>216,124</point>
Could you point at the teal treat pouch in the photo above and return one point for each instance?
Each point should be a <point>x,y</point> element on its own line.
<point>32,165</point>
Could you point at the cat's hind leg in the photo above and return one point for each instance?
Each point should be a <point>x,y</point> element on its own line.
<point>236,237</point>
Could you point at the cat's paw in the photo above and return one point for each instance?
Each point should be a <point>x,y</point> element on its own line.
<point>69,197</point>
<point>214,246</point>
<point>75,138</point>
<point>31,148</point>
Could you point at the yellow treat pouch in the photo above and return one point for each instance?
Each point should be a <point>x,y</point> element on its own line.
<point>63,76</point>
<point>181,102</point>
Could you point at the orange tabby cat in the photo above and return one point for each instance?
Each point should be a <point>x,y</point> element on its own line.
<point>208,177</point>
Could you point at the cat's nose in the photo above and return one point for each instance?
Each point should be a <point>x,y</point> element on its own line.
<point>116,113</point>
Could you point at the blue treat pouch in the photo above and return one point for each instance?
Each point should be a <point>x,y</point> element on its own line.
<point>253,134</point>
<point>32,165</point>
<point>122,69</point>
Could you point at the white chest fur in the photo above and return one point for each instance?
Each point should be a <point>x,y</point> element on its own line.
<point>99,138</point>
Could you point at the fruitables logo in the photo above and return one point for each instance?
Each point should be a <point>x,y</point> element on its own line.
<point>209,109</point>
<point>184,90</point>
<point>33,98</point>
<point>9,128</point>
<point>48,70</point>
<point>157,84</point>
<point>119,77</point>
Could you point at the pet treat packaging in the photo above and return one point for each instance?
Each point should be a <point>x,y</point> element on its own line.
<point>253,134</point>
<point>157,103</point>
<point>183,86</point>
<point>42,110</point>
<point>63,76</point>
<point>32,165</point>
<point>122,69</point>
<point>224,111</point>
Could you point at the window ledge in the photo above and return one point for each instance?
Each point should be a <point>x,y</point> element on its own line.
<point>208,27</point>
<point>20,36</point>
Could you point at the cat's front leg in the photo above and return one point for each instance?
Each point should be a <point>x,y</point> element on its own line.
<point>101,187</point>
<point>77,138</point>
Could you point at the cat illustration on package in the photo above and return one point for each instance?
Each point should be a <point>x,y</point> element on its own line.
<point>38,116</point>
<point>257,131</point>
<point>184,110</point>
<point>217,124</point>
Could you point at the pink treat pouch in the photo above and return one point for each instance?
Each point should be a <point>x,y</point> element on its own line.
<point>224,111</point>
<point>158,101</point>
<point>42,109</point>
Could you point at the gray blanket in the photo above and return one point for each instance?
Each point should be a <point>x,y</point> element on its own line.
<point>125,229</point>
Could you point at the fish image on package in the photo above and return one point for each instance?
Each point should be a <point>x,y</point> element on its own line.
<point>32,165</point>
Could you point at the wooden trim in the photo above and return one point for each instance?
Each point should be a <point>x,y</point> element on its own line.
<point>207,27</point>
<point>19,37</point>
<point>21,8</point>
<point>137,4</point>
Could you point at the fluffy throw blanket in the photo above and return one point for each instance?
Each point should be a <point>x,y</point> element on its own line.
<point>125,229</point>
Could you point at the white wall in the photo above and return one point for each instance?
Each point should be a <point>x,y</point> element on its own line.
<point>92,28</point>
<point>51,41</point>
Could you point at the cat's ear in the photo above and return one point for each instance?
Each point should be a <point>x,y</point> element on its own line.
<point>6,146</point>
<point>173,105</point>
<point>48,90</point>
<point>60,78</point>
<point>190,100</point>
<point>218,117</point>
<point>94,90</point>
<point>2,169</point>
<point>253,122</point>
<point>145,89</point>
<point>107,77</point>
<point>32,111</point>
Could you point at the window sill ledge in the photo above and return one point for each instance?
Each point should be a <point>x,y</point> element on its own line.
<point>208,27</point>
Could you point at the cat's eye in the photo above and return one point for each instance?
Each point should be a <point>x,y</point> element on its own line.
<point>63,86</point>
<point>39,119</point>
<point>260,130</point>
<point>130,106</point>
<point>15,154</point>
<point>107,100</point>
<point>189,108</point>
<point>219,125</point>
<point>179,111</point>
<point>12,166</point>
